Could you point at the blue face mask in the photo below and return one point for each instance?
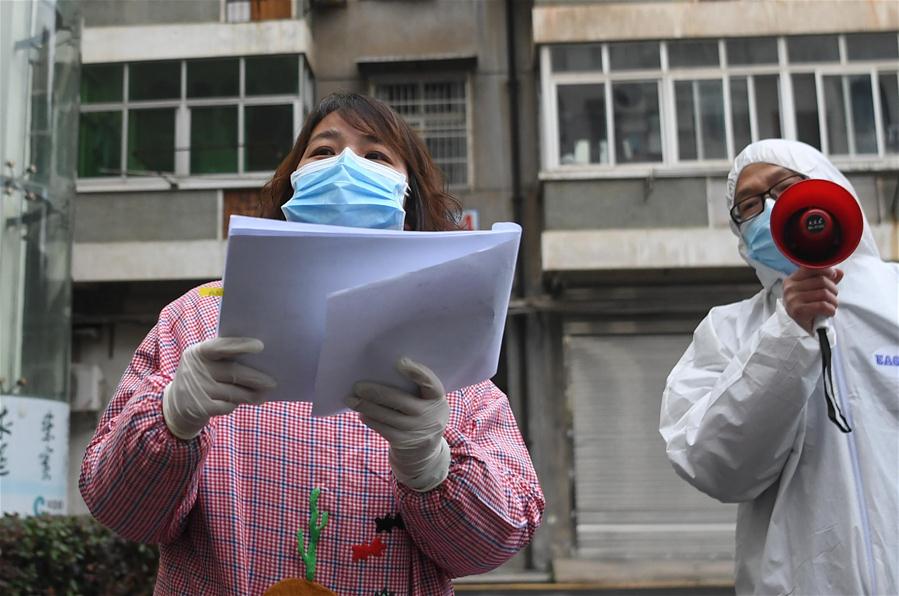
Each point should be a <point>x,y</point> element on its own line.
<point>760,245</point>
<point>347,190</point>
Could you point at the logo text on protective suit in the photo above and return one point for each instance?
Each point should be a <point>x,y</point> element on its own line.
<point>886,359</point>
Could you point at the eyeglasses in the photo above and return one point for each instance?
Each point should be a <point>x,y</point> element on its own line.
<point>754,205</point>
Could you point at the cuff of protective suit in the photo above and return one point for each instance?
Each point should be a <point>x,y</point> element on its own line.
<point>784,340</point>
<point>185,432</point>
<point>427,474</point>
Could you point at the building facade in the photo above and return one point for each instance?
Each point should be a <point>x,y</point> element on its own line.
<point>606,129</point>
<point>643,106</point>
<point>39,70</point>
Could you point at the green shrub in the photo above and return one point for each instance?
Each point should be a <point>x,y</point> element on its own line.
<point>58,555</point>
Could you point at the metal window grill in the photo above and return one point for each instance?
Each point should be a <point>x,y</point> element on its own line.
<point>437,111</point>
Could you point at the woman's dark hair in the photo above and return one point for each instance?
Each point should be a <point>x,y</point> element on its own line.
<point>428,207</point>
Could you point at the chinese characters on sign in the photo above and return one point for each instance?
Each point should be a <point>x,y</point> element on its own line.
<point>5,430</point>
<point>34,440</point>
<point>46,438</point>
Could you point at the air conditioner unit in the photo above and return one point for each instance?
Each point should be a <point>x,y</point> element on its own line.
<point>88,388</point>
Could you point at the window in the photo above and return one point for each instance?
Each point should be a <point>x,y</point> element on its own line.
<point>239,11</point>
<point>583,136</point>
<point>438,111</point>
<point>700,101</point>
<point>191,117</point>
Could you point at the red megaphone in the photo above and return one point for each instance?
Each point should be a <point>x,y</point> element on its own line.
<point>816,224</point>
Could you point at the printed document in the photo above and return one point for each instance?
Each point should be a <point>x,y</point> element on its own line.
<point>337,305</point>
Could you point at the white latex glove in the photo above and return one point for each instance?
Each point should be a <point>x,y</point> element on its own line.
<point>209,383</point>
<point>412,424</point>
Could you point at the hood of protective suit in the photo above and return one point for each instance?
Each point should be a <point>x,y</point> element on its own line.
<point>800,158</point>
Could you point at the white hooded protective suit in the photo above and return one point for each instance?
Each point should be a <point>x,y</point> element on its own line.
<point>745,420</point>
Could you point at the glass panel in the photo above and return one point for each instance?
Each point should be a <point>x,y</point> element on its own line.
<point>151,140</point>
<point>685,104</point>
<point>154,80</point>
<point>213,78</point>
<point>806,102</point>
<point>272,75</point>
<point>872,46</point>
<point>577,57</point>
<point>889,107</point>
<point>686,54</point>
<point>638,136</point>
<point>711,107</point>
<point>813,48</point>
<point>268,136</point>
<point>100,144</point>
<point>583,137</point>
<point>213,140</point>
<point>751,50</point>
<point>101,83</point>
<point>767,106</point>
<point>837,134</point>
<point>739,109</point>
<point>700,120</point>
<point>861,100</point>
<point>634,54</point>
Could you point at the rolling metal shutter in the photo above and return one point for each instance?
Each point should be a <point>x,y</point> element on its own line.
<point>630,506</point>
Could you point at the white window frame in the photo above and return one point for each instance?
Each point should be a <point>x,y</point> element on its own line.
<point>549,117</point>
<point>182,177</point>
<point>441,77</point>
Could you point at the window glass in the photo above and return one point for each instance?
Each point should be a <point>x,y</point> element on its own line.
<point>583,137</point>
<point>154,80</point>
<point>861,102</point>
<point>739,110</point>
<point>213,139</point>
<point>101,83</point>
<point>767,106</point>
<point>638,136</point>
<point>634,55</point>
<point>151,141</point>
<point>213,78</point>
<point>583,57</point>
<point>743,51</point>
<point>268,136</point>
<point>813,48</point>
<point>700,120</point>
<point>691,54</point>
<point>837,136</point>
<point>889,107</point>
<point>272,75</point>
<point>872,46</point>
<point>100,144</point>
<point>806,109</point>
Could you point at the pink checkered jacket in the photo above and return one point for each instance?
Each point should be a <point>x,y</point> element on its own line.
<point>225,507</point>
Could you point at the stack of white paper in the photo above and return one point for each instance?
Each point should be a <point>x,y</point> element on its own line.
<point>338,305</point>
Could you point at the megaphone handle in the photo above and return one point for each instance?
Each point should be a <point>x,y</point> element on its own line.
<point>822,323</point>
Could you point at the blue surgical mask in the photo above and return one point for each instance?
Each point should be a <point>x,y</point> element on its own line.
<point>760,244</point>
<point>347,190</point>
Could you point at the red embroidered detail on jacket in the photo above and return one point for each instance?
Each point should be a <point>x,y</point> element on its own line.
<point>363,551</point>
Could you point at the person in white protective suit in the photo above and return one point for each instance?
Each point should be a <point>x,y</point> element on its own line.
<point>744,416</point>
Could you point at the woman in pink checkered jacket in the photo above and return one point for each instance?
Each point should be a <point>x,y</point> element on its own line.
<point>417,489</point>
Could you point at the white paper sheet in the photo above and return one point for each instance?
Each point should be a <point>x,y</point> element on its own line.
<point>338,305</point>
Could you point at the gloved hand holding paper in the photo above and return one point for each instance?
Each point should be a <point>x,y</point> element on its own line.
<point>338,305</point>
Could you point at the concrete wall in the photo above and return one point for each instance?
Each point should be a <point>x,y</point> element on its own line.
<point>625,204</point>
<point>456,28</point>
<point>147,216</point>
<point>101,13</point>
<point>568,22</point>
